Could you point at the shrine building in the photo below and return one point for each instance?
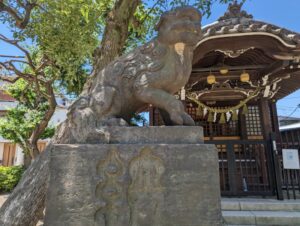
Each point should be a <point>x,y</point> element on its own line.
<point>241,68</point>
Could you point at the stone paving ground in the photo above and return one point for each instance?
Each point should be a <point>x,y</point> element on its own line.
<point>259,211</point>
<point>237,205</point>
<point>3,197</point>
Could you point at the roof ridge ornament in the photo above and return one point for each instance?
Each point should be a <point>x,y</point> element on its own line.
<point>234,11</point>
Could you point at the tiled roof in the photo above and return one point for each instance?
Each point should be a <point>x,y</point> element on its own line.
<point>290,127</point>
<point>288,118</point>
<point>236,21</point>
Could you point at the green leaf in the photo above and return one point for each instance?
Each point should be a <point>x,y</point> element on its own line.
<point>9,177</point>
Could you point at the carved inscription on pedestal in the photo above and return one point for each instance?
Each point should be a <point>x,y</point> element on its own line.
<point>162,184</point>
<point>145,194</point>
<point>111,191</point>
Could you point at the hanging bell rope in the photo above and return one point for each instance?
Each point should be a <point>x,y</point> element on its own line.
<point>199,111</point>
<point>245,110</point>
<point>210,117</point>
<point>213,111</point>
<point>222,119</point>
<point>234,115</point>
<point>226,109</point>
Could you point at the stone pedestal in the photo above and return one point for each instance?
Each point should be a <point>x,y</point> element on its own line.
<point>138,179</point>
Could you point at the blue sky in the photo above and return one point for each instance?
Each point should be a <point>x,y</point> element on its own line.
<point>281,13</point>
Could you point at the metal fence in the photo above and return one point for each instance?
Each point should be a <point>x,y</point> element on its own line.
<point>290,139</point>
<point>245,168</point>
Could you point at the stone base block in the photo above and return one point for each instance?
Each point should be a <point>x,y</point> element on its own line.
<point>133,185</point>
<point>147,135</point>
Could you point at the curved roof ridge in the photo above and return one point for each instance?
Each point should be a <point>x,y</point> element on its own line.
<point>234,10</point>
<point>245,25</point>
<point>237,21</point>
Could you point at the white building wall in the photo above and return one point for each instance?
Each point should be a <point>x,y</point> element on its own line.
<point>1,151</point>
<point>19,157</point>
<point>5,105</point>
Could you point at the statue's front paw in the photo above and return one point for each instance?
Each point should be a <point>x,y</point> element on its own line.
<point>176,118</point>
<point>182,119</point>
<point>188,120</point>
<point>113,122</point>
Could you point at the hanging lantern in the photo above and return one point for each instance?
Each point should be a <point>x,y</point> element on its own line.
<point>224,70</point>
<point>245,77</point>
<point>211,79</point>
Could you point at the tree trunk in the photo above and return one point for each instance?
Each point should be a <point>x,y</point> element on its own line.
<point>115,36</point>
<point>115,33</point>
<point>25,204</point>
<point>40,128</point>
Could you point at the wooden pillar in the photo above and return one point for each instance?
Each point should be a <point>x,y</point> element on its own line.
<point>242,127</point>
<point>276,150</point>
<point>267,129</point>
<point>211,131</point>
<point>266,119</point>
<point>151,116</point>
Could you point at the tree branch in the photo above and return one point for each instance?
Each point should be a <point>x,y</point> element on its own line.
<point>21,3</point>
<point>9,79</point>
<point>9,66</point>
<point>16,44</point>
<point>151,10</point>
<point>40,128</point>
<point>20,21</point>
<point>10,56</point>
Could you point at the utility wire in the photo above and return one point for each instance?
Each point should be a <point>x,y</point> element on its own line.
<point>298,106</point>
<point>285,107</point>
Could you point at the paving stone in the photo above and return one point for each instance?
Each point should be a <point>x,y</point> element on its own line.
<point>269,206</point>
<point>239,217</point>
<point>273,218</point>
<point>230,205</point>
<point>3,198</point>
<point>256,204</point>
<point>262,218</point>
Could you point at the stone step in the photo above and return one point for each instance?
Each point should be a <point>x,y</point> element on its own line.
<point>260,205</point>
<point>266,218</point>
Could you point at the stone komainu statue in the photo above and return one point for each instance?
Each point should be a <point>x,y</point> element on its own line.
<point>150,74</point>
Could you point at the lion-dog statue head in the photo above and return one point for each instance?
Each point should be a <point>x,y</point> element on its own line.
<point>181,25</point>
